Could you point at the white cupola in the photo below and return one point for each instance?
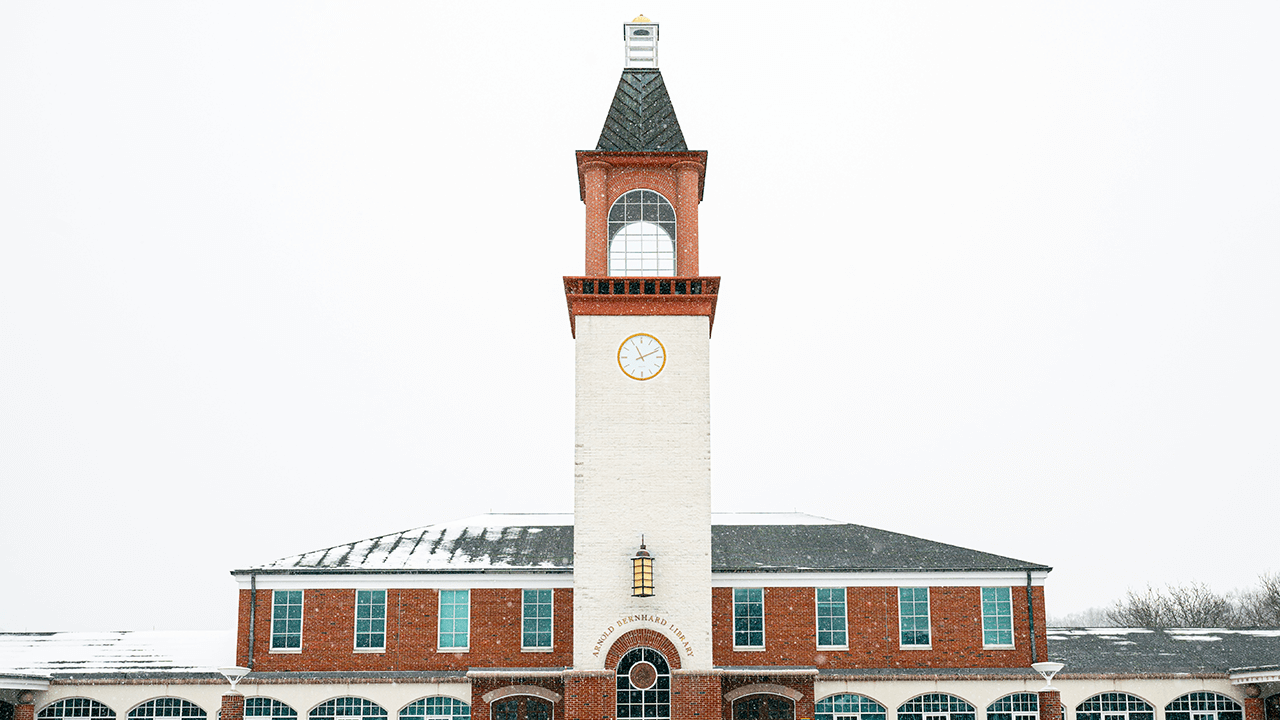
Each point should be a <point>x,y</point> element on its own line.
<point>641,39</point>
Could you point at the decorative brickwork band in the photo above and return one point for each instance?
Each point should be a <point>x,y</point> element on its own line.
<point>1050,705</point>
<point>642,638</point>
<point>510,690</point>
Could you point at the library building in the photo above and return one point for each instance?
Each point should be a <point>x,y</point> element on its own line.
<point>667,612</point>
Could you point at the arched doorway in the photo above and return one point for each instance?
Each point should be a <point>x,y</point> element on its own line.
<point>764,707</point>
<point>644,685</point>
<point>521,707</point>
<point>1271,707</point>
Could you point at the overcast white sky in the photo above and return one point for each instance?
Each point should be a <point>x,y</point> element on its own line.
<point>1002,275</point>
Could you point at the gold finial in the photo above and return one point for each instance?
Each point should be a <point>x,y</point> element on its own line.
<point>641,18</point>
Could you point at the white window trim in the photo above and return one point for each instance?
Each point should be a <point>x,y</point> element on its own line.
<point>271,636</point>
<point>928,603</point>
<point>1012,625</point>
<point>440,618</point>
<point>819,644</point>
<point>764,636</point>
<point>534,648</point>
<point>355,619</point>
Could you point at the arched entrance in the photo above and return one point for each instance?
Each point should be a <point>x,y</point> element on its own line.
<point>1271,707</point>
<point>764,707</point>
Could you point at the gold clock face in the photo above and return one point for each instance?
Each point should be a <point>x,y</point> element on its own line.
<point>642,357</point>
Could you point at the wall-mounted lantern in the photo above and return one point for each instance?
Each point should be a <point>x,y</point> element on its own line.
<point>642,572</point>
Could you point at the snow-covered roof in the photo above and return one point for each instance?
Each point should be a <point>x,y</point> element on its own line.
<point>741,542</point>
<point>1175,650</point>
<point>53,654</point>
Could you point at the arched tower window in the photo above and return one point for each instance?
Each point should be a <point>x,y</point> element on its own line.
<point>644,685</point>
<point>642,235</point>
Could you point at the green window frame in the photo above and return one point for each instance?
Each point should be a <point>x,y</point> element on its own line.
<point>371,619</point>
<point>455,620</point>
<point>535,630</point>
<point>913,616</point>
<point>833,620</point>
<point>748,617</point>
<point>997,617</point>
<point>286,620</point>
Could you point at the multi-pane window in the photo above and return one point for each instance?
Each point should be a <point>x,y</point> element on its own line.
<point>1018,706</point>
<point>371,619</point>
<point>524,707</point>
<point>644,685</point>
<point>455,619</point>
<point>748,617</point>
<point>168,707</point>
<point>936,706</point>
<point>353,708</point>
<point>642,235</point>
<point>437,708</point>
<point>1115,706</point>
<point>76,708</point>
<point>997,617</point>
<point>1203,706</point>
<point>913,616</point>
<point>848,707</point>
<point>536,630</point>
<point>832,618</point>
<point>269,708</point>
<point>286,620</point>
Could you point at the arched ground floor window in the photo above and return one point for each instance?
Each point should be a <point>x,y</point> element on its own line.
<point>1018,706</point>
<point>353,708</point>
<point>849,707</point>
<point>268,708</point>
<point>436,708</point>
<point>167,707</point>
<point>1271,707</point>
<point>1115,706</point>
<point>521,707</point>
<point>936,706</point>
<point>1203,706</point>
<point>75,708</point>
<point>764,707</point>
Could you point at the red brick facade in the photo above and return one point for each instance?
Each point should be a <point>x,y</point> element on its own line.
<point>328,633</point>
<point>496,614</point>
<point>955,620</point>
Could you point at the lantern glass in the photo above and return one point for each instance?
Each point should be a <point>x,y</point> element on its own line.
<point>642,576</point>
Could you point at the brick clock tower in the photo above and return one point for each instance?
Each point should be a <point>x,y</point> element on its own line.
<point>641,318</point>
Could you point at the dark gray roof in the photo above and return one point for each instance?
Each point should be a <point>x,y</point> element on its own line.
<point>641,117</point>
<point>544,543</point>
<point>1139,650</point>
<point>791,548</point>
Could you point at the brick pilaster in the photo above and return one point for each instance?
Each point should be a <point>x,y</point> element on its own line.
<point>695,696</point>
<point>233,706</point>
<point>1050,705</point>
<point>589,695</point>
<point>1254,708</point>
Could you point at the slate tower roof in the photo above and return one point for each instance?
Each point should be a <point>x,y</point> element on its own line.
<point>641,117</point>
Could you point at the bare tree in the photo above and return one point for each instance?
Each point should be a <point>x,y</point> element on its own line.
<point>1261,607</point>
<point>1192,605</point>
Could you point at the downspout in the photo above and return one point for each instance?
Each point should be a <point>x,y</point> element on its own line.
<point>252,607</point>
<point>1031,616</point>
